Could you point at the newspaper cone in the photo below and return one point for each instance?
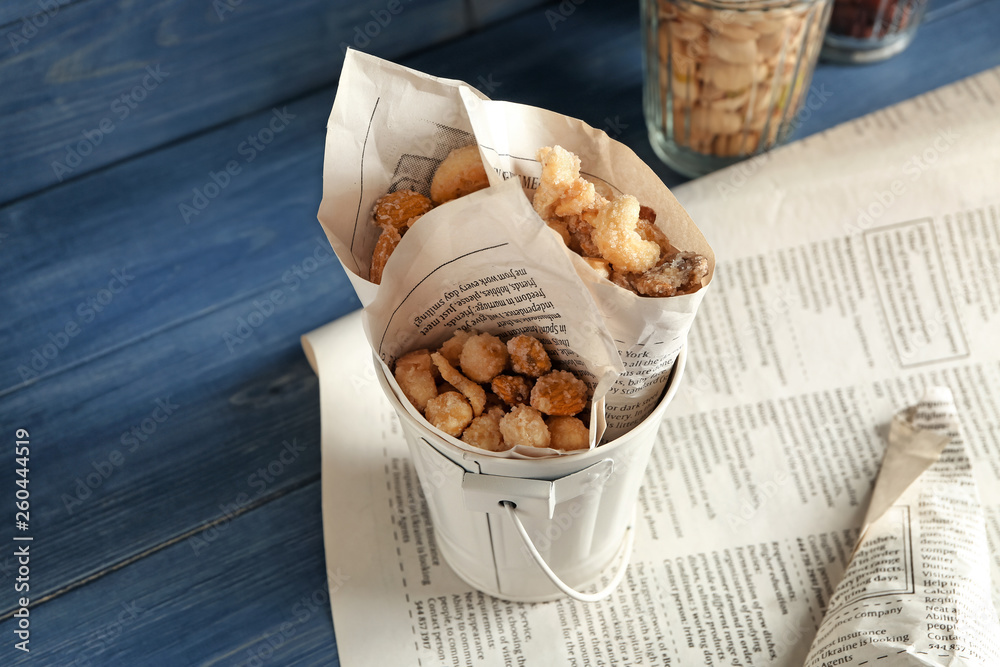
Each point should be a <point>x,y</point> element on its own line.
<point>389,129</point>
<point>917,591</point>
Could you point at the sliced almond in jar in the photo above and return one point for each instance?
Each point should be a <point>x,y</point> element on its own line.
<point>686,29</point>
<point>727,76</point>
<point>742,52</point>
<point>734,30</point>
<point>712,121</point>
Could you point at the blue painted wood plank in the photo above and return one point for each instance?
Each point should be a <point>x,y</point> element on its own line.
<point>111,258</point>
<point>255,596</point>
<point>144,444</point>
<point>485,12</point>
<point>14,12</point>
<point>104,80</point>
<point>174,333</point>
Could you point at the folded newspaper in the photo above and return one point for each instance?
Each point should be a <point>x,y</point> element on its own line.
<point>917,589</point>
<point>487,261</point>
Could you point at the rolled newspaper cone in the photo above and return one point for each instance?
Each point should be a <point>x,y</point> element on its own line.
<point>389,129</point>
<point>917,589</point>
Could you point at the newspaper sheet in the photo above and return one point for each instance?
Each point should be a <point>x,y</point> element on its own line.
<point>857,268</point>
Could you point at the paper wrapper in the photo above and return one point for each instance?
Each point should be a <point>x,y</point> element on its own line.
<point>389,129</point>
<point>917,590</point>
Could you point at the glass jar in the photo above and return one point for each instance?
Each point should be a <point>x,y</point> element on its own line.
<point>724,79</point>
<point>863,31</point>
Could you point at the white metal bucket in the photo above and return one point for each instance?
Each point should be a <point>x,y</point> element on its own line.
<point>576,510</point>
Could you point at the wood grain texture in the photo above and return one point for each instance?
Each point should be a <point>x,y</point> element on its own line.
<point>174,331</point>
<point>215,65</point>
<point>142,445</point>
<point>62,248</point>
<point>259,592</point>
<point>162,336</point>
<point>13,13</point>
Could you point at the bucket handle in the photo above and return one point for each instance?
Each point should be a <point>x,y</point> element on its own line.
<point>624,553</point>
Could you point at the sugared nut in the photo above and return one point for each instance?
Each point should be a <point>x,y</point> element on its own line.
<point>484,432</point>
<point>459,174</point>
<point>449,412</point>
<point>415,375</point>
<point>559,393</point>
<point>524,426</point>
<point>568,433</point>
<point>483,357</point>
<point>512,389</point>
<point>397,208</point>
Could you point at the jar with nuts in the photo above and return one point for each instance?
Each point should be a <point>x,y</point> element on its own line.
<point>726,79</point>
<point>864,31</point>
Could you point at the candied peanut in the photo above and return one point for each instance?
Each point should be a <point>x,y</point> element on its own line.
<point>616,237</point>
<point>449,412</point>
<point>472,391</point>
<point>568,433</point>
<point>459,174</point>
<point>559,393</point>
<point>484,432</point>
<point>682,273</point>
<point>582,237</point>
<point>483,357</point>
<point>524,426</point>
<point>384,247</point>
<point>396,209</point>
<point>452,348</point>
<point>512,389</point>
<point>415,377</point>
<point>528,356</point>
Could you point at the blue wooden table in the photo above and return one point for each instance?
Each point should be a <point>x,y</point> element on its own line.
<point>160,172</point>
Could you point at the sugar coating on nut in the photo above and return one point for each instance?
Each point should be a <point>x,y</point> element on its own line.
<point>615,235</point>
<point>528,356</point>
<point>561,191</point>
<point>396,209</point>
<point>582,237</point>
<point>483,357</point>
<point>559,393</point>
<point>415,376</point>
<point>449,412</point>
<point>471,390</point>
<point>452,348</point>
<point>524,426</point>
<point>459,174</point>
<point>568,433</point>
<point>484,432</point>
<point>682,273</point>
<point>387,242</point>
<point>512,389</point>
